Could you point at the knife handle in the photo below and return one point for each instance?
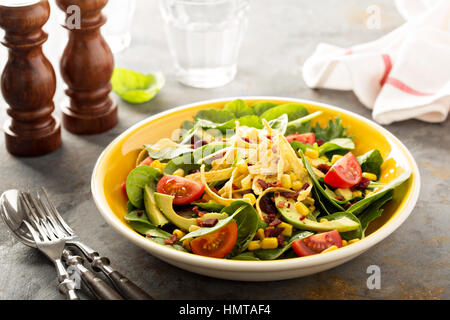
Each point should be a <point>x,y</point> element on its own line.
<point>99,287</point>
<point>128,288</point>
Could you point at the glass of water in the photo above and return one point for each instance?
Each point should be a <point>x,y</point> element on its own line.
<point>117,30</point>
<point>204,39</point>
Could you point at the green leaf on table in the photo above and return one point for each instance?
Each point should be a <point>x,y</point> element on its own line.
<point>135,87</point>
<point>239,108</point>
<point>334,130</point>
<point>371,162</point>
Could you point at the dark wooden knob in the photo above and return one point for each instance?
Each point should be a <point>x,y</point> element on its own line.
<point>28,82</point>
<point>86,66</point>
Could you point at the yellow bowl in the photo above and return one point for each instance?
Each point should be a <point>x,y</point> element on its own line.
<point>119,158</point>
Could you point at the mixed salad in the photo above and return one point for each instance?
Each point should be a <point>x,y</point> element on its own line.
<point>256,182</point>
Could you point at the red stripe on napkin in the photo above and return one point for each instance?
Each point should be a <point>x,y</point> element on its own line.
<point>387,68</point>
<point>405,88</point>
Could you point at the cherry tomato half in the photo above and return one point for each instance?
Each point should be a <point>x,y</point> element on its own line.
<point>305,138</point>
<point>345,173</point>
<point>184,190</point>
<point>147,161</point>
<point>124,190</point>
<point>217,244</point>
<point>317,243</point>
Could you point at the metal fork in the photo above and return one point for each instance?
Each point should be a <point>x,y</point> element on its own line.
<point>52,247</point>
<point>98,263</point>
<point>97,286</point>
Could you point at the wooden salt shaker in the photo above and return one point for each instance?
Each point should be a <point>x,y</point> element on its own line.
<point>86,66</point>
<point>28,81</point>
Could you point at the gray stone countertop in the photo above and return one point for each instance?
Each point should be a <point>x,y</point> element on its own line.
<point>414,260</point>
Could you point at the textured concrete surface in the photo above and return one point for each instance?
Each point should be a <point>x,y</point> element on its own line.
<point>414,260</point>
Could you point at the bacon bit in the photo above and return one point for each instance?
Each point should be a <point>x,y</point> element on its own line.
<point>214,189</point>
<point>267,206</point>
<point>305,186</point>
<point>291,195</point>
<point>281,204</point>
<point>274,184</point>
<point>275,222</point>
<point>339,198</point>
<point>347,205</point>
<point>289,205</point>
<point>302,218</point>
<point>324,167</point>
<point>139,213</point>
<point>280,239</point>
<point>208,223</point>
<point>218,156</point>
<point>262,183</point>
<point>246,139</point>
<point>273,232</point>
<point>269,137</point>
<point>249,164</point>
<point>170,241</point>
<point>363,184</point>
<point>320,142</point>
<point>269,217</point>
<point>198,212</point>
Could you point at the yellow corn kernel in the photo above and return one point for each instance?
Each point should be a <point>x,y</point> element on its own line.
<point>254,245</point>
<point>353,240</point>
<point>357,193</point>
<point>301,208</point>
<point>313,154</point>
<point>162,165</point>
<point>269,243</point>
<point>344,243</point>
<point>193,228</point>
<point>179,172</point>
<point>260,233</point>
<point>287,229</point>
<point>325,158</point>
<point>286,181</point>
<point>323,220</point>
<point>180,234</point>
<point>251,197</point>
<point>293,177</point>
<point>369,193</point>
<point>297,185</point>
<point>312,208</point>
<point>187,244</point>
<point>155,164</point>
<point>309,201</point>
<point>335,158</point>
<point>332,248</point>
<point>369,176</point>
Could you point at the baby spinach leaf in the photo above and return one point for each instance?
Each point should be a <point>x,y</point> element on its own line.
<point>168,153</point>
<point>336,205</point>
<point>303,124</point>
<point>239,108</point>
<point>361,205</point>
<point>210,206</point>
<point>349,235</point>
<point>136,181</point>
<point>338,144</point>
<point>371,162</point>
<point>272,254</point>
<point>135,87</point>
<point>247,223</point>
<point>374,210</point>
<point>215,115</point>
<point>139,222</point>
<point>245,256</point>
<point>260,107</point>
<point>334,130</point>
<point>292,110</point>
<point>175,246</point>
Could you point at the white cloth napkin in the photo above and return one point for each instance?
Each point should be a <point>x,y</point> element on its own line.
<point>404,74</point>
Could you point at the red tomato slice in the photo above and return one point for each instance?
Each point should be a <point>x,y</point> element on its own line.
<point>317,243</point>
<point>184,190</point>
<point>305,138</point>
<point>345,173</point>
<point>147,161</point>
<point>217,244</point>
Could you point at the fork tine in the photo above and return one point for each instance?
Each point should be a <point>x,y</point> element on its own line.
<point>47,220</point>
<point>31,213</point>
<point>55,214</point>
<point>33,232</point>
<point>42,219</point>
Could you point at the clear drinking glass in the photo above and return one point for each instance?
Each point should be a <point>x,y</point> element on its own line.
<point>117,30</point>
<point>204,39</point>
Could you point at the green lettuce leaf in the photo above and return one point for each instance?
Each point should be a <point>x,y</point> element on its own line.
<point>334,130</point>
<point>371,162</point>
<point>260,107</point>
<point>239,108</point>
<point>135,87</point>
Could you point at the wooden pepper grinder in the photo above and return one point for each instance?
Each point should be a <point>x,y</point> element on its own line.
<point>28,81</point>
<point>86,66</point>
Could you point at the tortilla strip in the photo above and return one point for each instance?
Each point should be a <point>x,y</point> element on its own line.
<point>291,159</point>
<point>211,176</point>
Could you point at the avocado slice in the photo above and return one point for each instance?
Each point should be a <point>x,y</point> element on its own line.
<point>292,216</point>
<point>164,203</point>
<point>153,213</point>
<point>347,194</point>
